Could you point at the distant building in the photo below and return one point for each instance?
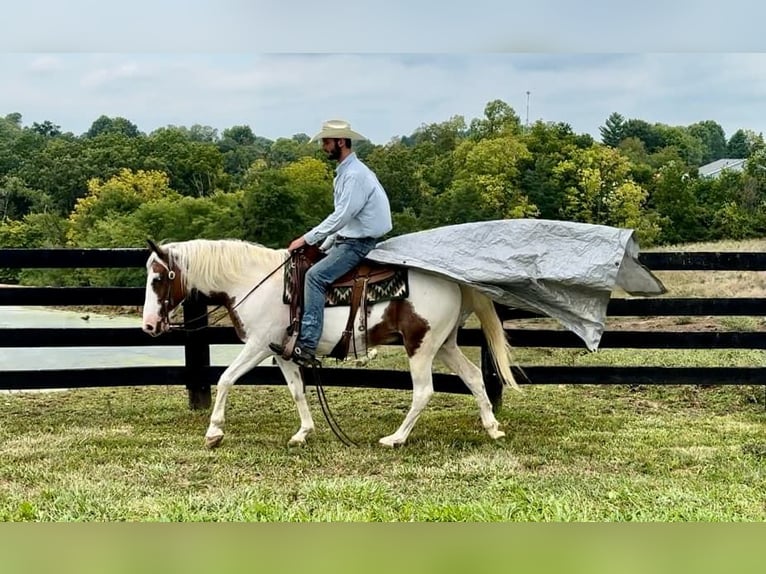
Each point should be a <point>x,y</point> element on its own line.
<point>714,168</point>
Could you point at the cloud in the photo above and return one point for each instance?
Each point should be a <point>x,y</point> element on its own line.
<point>47,63</point>
<point>383,95</point>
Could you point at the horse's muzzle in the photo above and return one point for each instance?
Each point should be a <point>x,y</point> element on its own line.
<point>155,329</point>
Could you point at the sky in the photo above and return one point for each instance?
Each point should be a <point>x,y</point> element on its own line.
<point>387,67</point>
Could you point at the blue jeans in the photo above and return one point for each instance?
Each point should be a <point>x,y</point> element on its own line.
<point>340,259</point>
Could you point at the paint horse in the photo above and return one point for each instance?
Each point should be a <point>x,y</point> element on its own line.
<point>426,322</point>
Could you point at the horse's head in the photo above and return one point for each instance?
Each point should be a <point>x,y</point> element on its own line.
<point>165,290</point>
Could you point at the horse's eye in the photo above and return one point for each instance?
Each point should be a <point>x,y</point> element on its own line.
<point>156,281</point>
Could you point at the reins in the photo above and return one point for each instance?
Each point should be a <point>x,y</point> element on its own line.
<point>328,415</point>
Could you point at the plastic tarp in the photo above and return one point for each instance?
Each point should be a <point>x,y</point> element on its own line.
<point>560,269</point>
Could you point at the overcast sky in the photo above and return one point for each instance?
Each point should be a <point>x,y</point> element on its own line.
<point>387,67</point>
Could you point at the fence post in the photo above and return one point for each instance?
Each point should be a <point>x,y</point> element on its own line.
<point>492,381</point>
<point>196,353</point>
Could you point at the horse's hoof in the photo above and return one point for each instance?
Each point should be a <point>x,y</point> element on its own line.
<point>496,434</point>
<point>296,442</point>
<point>391,441</point>
<point>213,441</point>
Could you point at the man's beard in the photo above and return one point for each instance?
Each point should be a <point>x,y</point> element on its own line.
<point>334,153</point>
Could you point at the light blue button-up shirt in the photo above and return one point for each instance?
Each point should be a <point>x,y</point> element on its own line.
<point>361,205</point>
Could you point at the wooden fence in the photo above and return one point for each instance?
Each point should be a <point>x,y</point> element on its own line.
<point>197,375</point>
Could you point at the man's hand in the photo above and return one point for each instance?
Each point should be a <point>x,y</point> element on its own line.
<point>296,244</point>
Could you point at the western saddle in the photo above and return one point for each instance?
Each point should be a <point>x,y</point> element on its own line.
<point>357,281</point>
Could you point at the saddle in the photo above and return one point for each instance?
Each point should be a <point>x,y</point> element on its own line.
<point>368,282</point>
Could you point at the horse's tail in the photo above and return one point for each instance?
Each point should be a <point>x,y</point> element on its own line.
<point>499,348</point>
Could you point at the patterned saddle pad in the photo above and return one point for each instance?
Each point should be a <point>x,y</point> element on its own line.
<point>389,289</point>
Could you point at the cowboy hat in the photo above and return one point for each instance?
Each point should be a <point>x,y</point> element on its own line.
<point>340,129</point>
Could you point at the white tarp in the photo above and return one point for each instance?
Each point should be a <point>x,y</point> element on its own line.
<point>561,269</point>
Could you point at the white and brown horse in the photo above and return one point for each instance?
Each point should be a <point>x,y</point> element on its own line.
<point>426,322</point>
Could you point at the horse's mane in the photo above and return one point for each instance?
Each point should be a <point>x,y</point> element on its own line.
<point>214,265</point>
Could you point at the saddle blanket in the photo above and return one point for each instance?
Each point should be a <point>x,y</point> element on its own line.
<point>390,289</point>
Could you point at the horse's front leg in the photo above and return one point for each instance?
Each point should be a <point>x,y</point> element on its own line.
<point>292,375</point>
<point>248,357</point>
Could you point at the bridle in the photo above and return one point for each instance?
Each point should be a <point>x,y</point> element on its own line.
<point>174,294</point>
<point>169,301</point>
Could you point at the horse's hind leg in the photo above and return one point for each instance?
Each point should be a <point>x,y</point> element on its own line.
<point>246,360</point>
<point>294,380</point>
<point>470,374</point>
<point>422,391</point>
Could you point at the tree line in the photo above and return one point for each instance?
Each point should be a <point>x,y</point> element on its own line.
<point>114,186</point>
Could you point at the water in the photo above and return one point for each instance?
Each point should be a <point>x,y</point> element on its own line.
<point>14,359</point>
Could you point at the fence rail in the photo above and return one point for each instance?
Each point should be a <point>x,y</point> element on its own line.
<point>198,375</point>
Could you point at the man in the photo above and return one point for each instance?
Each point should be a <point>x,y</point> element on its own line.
<point>362,215</point>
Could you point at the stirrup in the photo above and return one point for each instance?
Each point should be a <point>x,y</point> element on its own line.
<point>305,358</point>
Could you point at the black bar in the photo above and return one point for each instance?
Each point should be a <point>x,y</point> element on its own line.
<point>704,261</point>
<point>126,337</point>
<point>109,337</point>
<point>382,379</point>
<point>69,296</point>
<point>80,296</point>
<point>492,382</point>
<point>73,258</point>
<point>543,375</point>
<point>626,339</point>
<point>136,257</point>
<point>665,307</point>
<point>197,354</point>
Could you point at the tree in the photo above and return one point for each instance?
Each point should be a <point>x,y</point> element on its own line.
<point>675,198</point>
<point>200,133</point>
<point>598,189</point>
<point>284,151</point>
<point>240,148</point>
<point>14,119</point>
<point>271,212</point>
<point>442,137</point>
<point>195,168</point>
<point>486,184</point>
<point>612,132</point>
<point>743,143</point>
<point>737,146</point>
<point>713,139</point>
<point>119,195</point>
<point>46,129</point>
<point>17,200</point>
<point>401,176</point>
<point>106,154</point>
<point>236,136</point>
<point>647,133</point>
<point>548,143</point>
<point>105,124</point>
<point>311,182</point>
<point>499,118</point>
<point>58,168</point>
<point>635,151</point>
<point>9,155</point>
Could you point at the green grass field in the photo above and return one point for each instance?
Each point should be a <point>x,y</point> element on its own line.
<point>573,453</point>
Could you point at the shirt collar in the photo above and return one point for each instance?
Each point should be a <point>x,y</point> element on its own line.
<point>350,158</point>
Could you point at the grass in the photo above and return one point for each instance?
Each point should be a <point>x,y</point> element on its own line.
<point>574,453</point>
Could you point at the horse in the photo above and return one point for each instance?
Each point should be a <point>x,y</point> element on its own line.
<point>244,276</point>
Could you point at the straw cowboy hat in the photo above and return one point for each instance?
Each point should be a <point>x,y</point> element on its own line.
<point>340,129</point>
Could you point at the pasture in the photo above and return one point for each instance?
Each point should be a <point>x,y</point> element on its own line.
<point>572,452</point>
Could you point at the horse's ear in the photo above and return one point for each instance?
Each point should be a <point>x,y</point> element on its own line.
<point>154,247</point>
